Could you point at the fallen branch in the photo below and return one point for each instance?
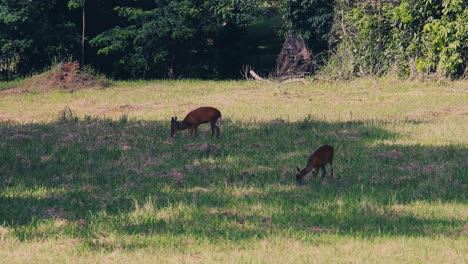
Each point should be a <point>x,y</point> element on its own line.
<point>258,78</point>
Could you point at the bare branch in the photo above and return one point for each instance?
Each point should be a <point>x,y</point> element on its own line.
<point>258,78</point>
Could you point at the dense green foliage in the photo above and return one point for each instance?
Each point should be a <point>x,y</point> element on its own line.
<point>178,38</point>
<point>310,18</point>
<point>412,35</point>
<point>32,34</point>
<point>213,39</point>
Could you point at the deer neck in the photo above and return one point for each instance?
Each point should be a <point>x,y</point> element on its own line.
<point>184,125</point>
<point>309,167</point>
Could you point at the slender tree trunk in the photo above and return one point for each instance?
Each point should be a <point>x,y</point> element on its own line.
<point>83,36</point>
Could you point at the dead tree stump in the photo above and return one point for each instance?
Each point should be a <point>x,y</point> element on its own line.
<point>295,59</point>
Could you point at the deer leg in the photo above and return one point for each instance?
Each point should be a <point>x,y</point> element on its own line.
<point>212,125</point>
<point>191,131</point>
<point>217,131</point>
<point>214,128</point>
<point>323,171</point>
<point>331,166</point>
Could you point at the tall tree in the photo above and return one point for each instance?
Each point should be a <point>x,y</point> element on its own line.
<point>76,4</point>
<point>173,38</point>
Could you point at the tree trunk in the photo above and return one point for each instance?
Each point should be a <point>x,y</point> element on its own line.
<point>83,35</point>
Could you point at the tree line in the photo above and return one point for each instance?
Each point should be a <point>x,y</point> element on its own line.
<point>145,39</point>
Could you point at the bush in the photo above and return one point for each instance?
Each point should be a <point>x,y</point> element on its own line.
<point>377,35</point>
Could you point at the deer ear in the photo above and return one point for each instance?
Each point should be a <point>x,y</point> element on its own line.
<point>175,118</point>
<point>172,118</point>
<point>299,170</point>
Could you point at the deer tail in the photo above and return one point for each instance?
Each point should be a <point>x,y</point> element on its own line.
<point>219,121</point>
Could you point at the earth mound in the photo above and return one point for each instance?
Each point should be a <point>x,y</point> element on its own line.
<point>63,76</point>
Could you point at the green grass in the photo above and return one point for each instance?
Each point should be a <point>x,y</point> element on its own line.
<point>108,184</point>
<point>8,85</point>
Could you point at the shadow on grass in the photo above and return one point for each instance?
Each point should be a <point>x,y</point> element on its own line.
<point>97,170</point>
<point>358,220</point>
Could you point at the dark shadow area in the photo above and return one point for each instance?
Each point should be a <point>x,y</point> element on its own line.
<point>74,169</point>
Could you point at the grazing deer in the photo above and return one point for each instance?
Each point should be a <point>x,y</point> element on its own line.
<point>195,118</point>
<point>321,157</point>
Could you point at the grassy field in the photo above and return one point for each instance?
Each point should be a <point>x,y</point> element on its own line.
<point>106,183</point>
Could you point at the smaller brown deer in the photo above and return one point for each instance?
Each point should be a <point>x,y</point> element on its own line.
<point>321,157</point>
<point>195,118</point>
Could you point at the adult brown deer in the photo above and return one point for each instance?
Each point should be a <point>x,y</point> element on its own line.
<point>321,157</point>
<point>195,118</point>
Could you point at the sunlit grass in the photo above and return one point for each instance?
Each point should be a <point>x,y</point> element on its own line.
<point>275,249</point>
<point>109,185</point>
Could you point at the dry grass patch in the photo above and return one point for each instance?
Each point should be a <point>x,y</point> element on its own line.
<point>392,154</point>
<point>198,190</point>
<point>202,146</point>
